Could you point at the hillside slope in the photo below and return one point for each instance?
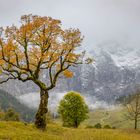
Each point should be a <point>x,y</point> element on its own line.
<point>7,100</point>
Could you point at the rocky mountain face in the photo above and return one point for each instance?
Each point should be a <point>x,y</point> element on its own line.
<point>114,72</point>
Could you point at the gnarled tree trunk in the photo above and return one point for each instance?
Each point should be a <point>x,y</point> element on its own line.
<point>136,121</point>
<point>40,118</point>
<point>76,124</point>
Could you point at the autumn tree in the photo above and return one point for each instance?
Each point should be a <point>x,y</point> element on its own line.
<point>73,109</point>
<point>132,105</point>
<point>11,115</point>
<point>39,45</point>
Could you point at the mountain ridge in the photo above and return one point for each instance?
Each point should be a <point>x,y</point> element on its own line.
<point>110,76</point>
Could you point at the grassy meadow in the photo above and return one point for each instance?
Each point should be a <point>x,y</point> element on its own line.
<point>20,131</point>
<point>115,118</point>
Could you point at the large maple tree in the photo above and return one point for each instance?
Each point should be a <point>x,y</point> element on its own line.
<point>39,44</point>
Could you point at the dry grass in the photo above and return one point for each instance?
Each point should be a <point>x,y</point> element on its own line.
<point>20,131</point>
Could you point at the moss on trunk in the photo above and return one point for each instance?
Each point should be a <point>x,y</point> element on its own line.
<point>40,118</point>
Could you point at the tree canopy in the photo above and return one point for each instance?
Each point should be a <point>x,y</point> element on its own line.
<point>38,45</point>
<point>73,109</point>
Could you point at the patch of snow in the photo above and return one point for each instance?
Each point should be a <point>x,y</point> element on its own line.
<point>130,59</point>
<point>122,54</point>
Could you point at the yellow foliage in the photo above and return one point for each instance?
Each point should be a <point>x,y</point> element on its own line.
<point>68,74</point>
<point>40,43</point>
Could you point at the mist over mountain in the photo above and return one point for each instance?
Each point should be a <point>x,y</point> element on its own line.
<point>8,101</point>
<point>115,72</point>
<point>111,29</point>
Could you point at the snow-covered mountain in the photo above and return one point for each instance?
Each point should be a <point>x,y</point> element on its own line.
<point>114,72</point>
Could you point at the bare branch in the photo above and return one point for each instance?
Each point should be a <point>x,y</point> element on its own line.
<point>10,78</point>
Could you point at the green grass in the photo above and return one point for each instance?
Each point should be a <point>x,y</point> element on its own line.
<point>20,131</point>
<point>114,118</point>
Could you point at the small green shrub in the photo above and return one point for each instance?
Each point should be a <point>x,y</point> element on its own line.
<point>113,127</point>
<point>98,126</point>
<point>107,126</point>
<point>11,115</point>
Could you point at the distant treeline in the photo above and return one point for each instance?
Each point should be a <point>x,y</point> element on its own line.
<point>8,101</point>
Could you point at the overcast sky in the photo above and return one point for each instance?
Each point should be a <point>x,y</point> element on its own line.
<point>98,20</point>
